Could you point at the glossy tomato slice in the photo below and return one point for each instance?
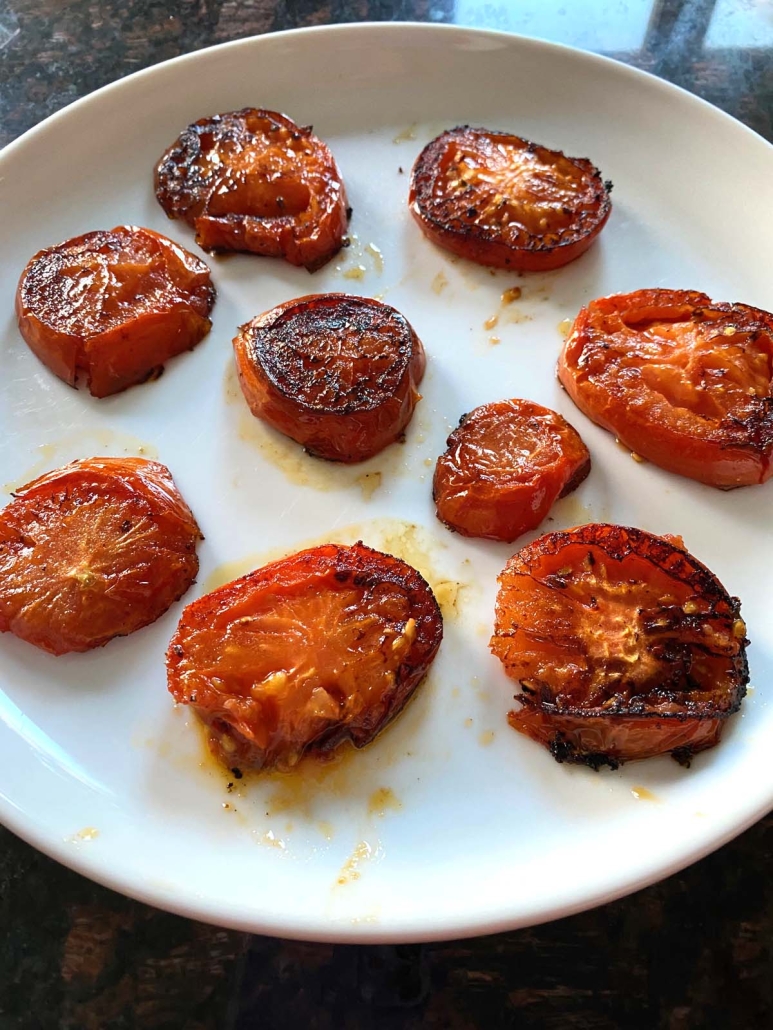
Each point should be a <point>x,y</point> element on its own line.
<point>625,645</point>
<point>113,306</point>
<point>505,466</point>
<point>93,551</point>
<point>679,379</point>
<point>500,200</point>
<point>337,373</point>
<point>254,180</point>
<point>324,646</point>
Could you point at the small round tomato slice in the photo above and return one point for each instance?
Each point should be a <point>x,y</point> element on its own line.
<point>501,200</point>
<point>93,551</point>
<point>325,646</point>
<point>338,374</point>
<point>114,306</point>
<point>681,380</point>
<point>254,180</point>
<point>505,466</point>
<point>625,645</point>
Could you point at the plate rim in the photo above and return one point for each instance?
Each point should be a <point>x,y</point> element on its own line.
<point>395,27</point>
<point>25,825</point>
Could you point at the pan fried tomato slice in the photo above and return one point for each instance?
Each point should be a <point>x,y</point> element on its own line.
<point>113,306</point>
<point>625,645</point>
<point>500,200</point>
<point>324,646</point>
<point>505,466</point>
<point>337,373</point>
<point>93,551</point>
<point>254,180</point>
<point>680,379</point>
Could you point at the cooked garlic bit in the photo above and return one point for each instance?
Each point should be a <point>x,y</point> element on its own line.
<point>227,743</point>
<point>406,637</point>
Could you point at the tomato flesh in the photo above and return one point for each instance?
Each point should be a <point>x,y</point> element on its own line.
<point>253,180</point>
<point>338,374</point>
<point>92,551</point>
<point>503,201</point>
<point>113,306</point>
<point>683,381</point>
<point>504,467</point>
<point>625,645</point>
<point>324,646</point>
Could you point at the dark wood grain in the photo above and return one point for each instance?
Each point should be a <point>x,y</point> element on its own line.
<point>691,952</point>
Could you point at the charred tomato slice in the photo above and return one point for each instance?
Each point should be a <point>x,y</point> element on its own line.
<point>681,380</point>
<point>504,467</point>
<point>113,306</point>
<point>254,180</point>
<point>625,645</point>
<point>337,373</point>
<point>92,551</point>
<point>325,646</point>
<point>500,200</point>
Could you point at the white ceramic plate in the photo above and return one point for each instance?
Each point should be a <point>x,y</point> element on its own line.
<point>450,824</point>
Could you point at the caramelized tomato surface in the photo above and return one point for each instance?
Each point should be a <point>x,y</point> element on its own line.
<point>92,551</point>
<point>624,644</point>
<point>254,180</point>
<point>500,200</point>
<point>324,646</point>
<point>682,380</point>
<point>339,374</point>
<point>505,465</point>
<point>113,306</point>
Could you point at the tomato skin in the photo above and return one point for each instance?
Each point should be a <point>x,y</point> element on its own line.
<point>625,645</point>
<point>342,393</point>
<point>580,738</point>
<point>324,646</point>
<point>505,465</point>
<point>94,550</point>
<point>114,305</point>
<point>500,200</point>
<point>253,180</point>
<point>681,380</point>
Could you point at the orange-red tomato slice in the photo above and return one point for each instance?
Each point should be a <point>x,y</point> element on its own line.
<point>337,373</point>
<point>93,551</point>
<point>625,645</point>
<point>113,306</point>
<point>505,465</point>
<point>500,200</point>
<point>254,180</point>
<point>681,380</point>
<point>325,646</point>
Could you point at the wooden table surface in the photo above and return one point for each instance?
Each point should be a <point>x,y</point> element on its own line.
<point>693,951</point>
